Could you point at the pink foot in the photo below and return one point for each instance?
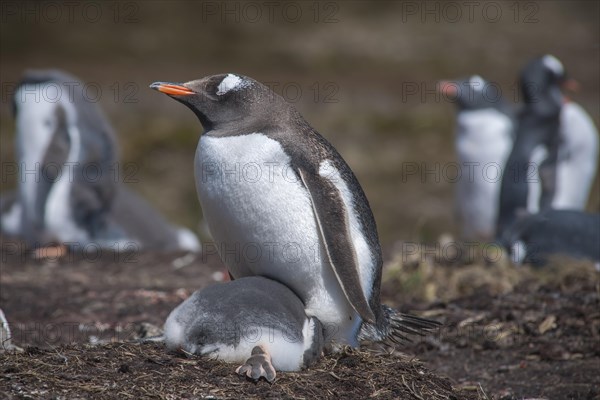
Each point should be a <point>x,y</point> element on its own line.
<point>258,366</point>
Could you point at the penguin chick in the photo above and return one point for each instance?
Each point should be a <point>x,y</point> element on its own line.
<point>254,321</point>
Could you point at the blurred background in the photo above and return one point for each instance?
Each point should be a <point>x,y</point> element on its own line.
<point>362,73</point>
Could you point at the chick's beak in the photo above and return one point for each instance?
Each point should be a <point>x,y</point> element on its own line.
<point>172,89</point>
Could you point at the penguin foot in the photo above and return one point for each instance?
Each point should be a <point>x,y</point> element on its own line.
<point>258,365</point>
<point>50,252</point>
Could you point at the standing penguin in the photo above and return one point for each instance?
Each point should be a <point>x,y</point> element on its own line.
<point>529,180</point>
<point>529,227</point>
<point>68,190</point>
<point>483,141</point>
<point>577,156</point>
<point>60,133</point>
<point>282,203</point>
<point>254,321</point>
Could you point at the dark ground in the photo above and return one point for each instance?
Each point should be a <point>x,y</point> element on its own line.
<point>508,334</point>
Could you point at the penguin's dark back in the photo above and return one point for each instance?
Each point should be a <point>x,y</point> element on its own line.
<point>244,304</point>
<point>309,151</point>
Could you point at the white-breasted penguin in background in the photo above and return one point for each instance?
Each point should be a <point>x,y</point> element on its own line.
<point>254,321</point>
<point>529,180</point>
<point>570,173</point>
<point>69,189</point>
<point>529,226</point>
<point>483,141</point>
<point>282,203</point>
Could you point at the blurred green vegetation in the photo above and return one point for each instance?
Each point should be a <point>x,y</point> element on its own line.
<point>368,51</point>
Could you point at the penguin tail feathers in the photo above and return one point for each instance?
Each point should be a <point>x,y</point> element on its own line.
<point>397,327</point>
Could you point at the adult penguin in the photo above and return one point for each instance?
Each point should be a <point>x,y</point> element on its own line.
<point>282,203</point>
<point>483,141</point>
<point>68,188</point>
<point>529,180</point>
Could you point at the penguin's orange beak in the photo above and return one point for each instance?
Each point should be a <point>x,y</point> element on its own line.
<point>172,89</point>
<point>571,85</point>
<point>447,88</point>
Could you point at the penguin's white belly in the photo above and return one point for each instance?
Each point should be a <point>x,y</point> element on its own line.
<point>286,354</point>
<point>577,158</point>
<point>33,138</point>
<point>58,216</point>
<point>483,143</point>
<point>262,221</point>
<point>534,180</point>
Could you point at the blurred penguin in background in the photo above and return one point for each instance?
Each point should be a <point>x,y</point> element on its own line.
<point>69,191</point>
<point>483,141</point>
<point>555,155</point>
<point>529,181</point>
<point>549,174</point>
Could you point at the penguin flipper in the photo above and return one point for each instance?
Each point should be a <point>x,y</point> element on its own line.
<point>332,218</point>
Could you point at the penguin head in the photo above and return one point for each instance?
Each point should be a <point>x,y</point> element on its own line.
<point>39,101</point>
<point>473,93</point>
<point>31,83</point>
<point>541,81</point>
<point>224,99</point>
<point>45,95</point>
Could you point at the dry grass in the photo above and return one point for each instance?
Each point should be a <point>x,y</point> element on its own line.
<point>122,370</point>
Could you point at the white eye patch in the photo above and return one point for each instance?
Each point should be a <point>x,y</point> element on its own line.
<point>477,83</point>
<point>553,64</point>
<point>229,83</point>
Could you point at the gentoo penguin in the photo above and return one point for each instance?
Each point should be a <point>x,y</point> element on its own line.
<point>483,141</point>
<point>577,158</point>
<point>534,238</point>
<point>69,190</point>
<point>254,321</point>
<point>529,180</point>
<point>529,227</point>
<point>281,203</point>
